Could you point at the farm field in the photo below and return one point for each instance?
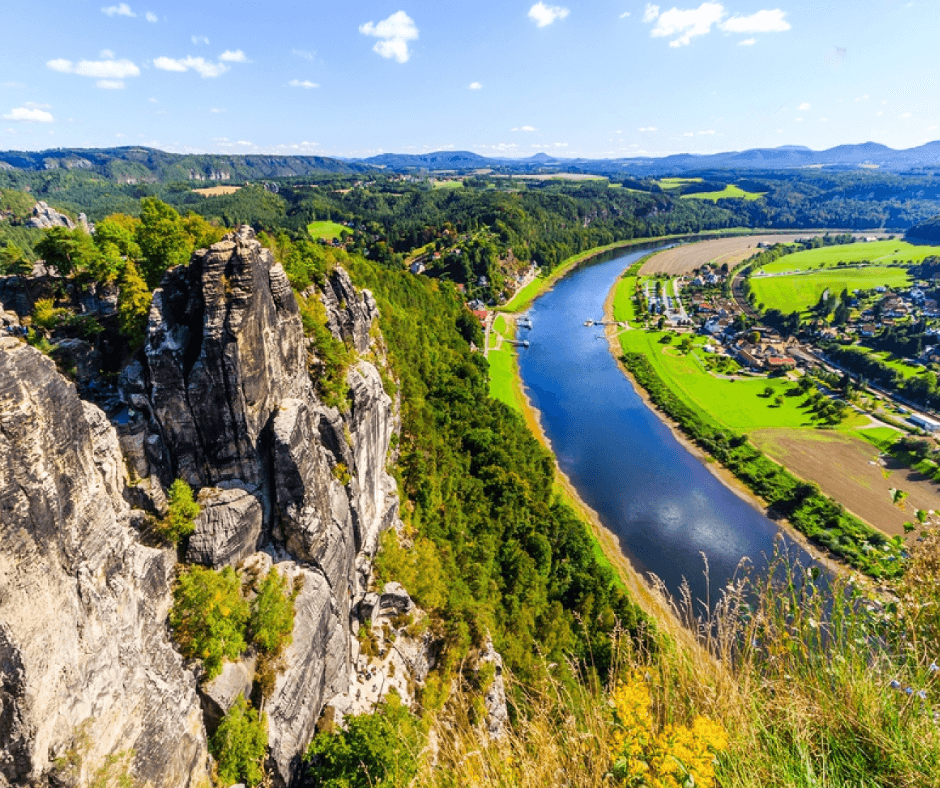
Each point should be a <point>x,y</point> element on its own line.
<point>847,469</point>
<point>216,191</point>
<point>325,230</point>
<point>447,184</point>
<point>801,291</point>
<point>685,258</point>
<point>886,252</point>
<point>730,191</point>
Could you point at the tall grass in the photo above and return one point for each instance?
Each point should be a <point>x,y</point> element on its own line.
<point>815,684</point>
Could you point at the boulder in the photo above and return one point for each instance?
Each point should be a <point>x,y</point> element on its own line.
<point>228,526</point>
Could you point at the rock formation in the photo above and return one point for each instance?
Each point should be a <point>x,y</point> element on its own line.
<point>221,396</point>
<point>86,668</point>
<point>45,217</point>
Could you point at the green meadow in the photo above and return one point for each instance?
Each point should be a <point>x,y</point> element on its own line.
<point>504,380</point>
<point>741,404</point>
<point>675,183</point>
<point>881,253</point>
<point>730,191</point>
<point>801,291</point>
<point>325,230</point>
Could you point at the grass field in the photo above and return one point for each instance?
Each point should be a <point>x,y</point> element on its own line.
<point>216,191</point>
<point>876,252</point>
<point>624,308</point>
<point>675,183</point>
<point>684,258</point>
<point>448,184</point>
<point>730,191</point>
<point>801,291</point>
<point>326,230</point>
<point>505,384</point>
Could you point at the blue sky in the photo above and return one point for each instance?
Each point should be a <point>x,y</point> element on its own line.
<point>568,77</point>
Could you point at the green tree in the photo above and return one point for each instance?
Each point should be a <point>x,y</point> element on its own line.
<point>13,261</point>
<point>163,240</point>
<point>182,511</point>
<point>70,251</point>
<point>272,615</point>
<point>133,305</point>
<point>208,617</point>
<point>375,751</point>
<point>239,745</point>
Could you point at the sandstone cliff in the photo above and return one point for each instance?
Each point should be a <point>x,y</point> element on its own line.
<point>86,667</point>
<point>221,397</point>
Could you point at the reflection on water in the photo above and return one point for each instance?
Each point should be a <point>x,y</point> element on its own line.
<point>665,506</point>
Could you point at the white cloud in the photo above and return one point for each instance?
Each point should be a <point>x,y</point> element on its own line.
<point>96,69</point>
<point>216,111</point>
<point>29,115</point>
<point>906,115</point>
<point>706,133</point>
<point>766,21</point>
<point>686,24</point>
<point>236,56</point>
<point>303,83</point>
<point>200,65</point>
<point>394,34</point>
<point>689,134</point>
<point>524,128</point>
<point>36,105</point>
<point>110,84</point>
<point>150,16</point>
<point>804,107</point>
<point>152,100</point>
<point>199,39</point>
<point>747,42</point>
<point>122,9</point>
<point>475,86</point>
<point>645,128</point>
<point>543,15</point>
<point>302,53</point>
<point>625,14</point>
<point>106,54</point>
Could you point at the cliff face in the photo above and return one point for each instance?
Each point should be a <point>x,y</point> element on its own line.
<point>226,403</point>
<point>221,398</point>
<point>86,668</point>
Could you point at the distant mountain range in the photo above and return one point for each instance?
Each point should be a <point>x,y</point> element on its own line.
<point>138,164</point>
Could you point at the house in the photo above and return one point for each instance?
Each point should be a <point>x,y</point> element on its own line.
<point>747,358</point>
<point>867,329</point>
<point>780,362</point>
<point>481,315</point>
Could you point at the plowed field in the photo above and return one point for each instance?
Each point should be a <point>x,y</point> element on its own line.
<point>687,257</point>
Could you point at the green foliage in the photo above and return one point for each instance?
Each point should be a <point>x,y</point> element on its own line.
<point>69,251</point>
<point>377,750</point>
<point>182,510</point>
<point>46,315</point>
<point>133,306</point>
<point>419,569</point>
<point>163,240</point>
<point>239,745</point>
<point>208,617</point>
<point>332,356</point>
<point>16,204</point>
<point>13,260</point>
<point>271,621</point>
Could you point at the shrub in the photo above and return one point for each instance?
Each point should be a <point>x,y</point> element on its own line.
<point>208,617</point>
<point>239,745</point>
<point>183,510</point>
<point>375,751</point>
<point>272,615</point>
<point>133,305</point>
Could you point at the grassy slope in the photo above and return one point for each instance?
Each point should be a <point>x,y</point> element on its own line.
<point>325,230</point>
<point>799,292</point>
<point>730,191</point>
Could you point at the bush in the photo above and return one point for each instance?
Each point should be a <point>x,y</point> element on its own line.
<point>183,511</point>
<point>208,617</point>
<point>272,615</point>
<point>375,751</point>
<point>239,745</point>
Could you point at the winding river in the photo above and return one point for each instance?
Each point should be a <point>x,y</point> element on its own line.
<point>664,505</point>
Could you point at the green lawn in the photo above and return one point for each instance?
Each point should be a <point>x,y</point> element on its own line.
<point>524,297</point>
<point>326,230</point>
<point>876,252</point>
<point>624,308</point>
<point>801,291</point>
<point>728,192</point>
<point>504,379</point>
<point>447,184</point>
<point>675,183</point>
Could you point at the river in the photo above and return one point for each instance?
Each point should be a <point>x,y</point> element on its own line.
<point>662,503</point>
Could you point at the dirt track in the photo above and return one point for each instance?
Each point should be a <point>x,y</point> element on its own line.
<point>843,469</point>
<point>687,257</point>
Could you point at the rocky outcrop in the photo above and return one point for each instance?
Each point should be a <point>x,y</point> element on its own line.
<point>45,217</point>
<point>224,400</point>
<point>86,668</point>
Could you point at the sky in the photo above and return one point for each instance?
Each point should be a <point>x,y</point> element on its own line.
<point>572,78</point>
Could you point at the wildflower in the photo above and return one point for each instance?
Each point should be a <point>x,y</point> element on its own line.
<point>934,667</point>
<point>908,690</point>
<point>895,684</point>
<point>922,694</point>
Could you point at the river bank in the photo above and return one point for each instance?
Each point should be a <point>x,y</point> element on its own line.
<point>719,471</point>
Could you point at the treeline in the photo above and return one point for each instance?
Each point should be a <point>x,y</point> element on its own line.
<point>811,512</point>
<point>920,389</point>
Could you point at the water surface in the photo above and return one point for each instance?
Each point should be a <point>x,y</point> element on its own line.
<point>664,505</point>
